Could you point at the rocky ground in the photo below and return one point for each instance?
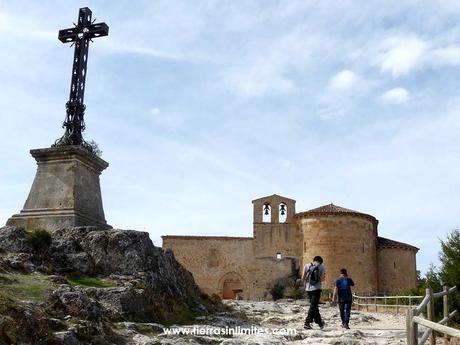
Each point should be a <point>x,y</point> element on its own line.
<point>78,286</point>
<point>366,328</point>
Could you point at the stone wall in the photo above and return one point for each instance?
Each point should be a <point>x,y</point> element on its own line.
<point>266,272</point>
<point>215,261</point>
<point>227,266</point>
<point>343,241</point>
<point>397,269</point>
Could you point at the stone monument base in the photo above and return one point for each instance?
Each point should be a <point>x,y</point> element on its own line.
<point>66,191</point>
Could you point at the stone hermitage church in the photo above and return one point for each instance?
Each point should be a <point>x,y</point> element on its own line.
<point>284,241</point>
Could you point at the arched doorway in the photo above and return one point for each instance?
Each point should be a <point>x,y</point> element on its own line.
<point>231,286</point>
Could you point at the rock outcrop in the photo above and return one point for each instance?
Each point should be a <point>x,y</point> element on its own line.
<point>130,280</point>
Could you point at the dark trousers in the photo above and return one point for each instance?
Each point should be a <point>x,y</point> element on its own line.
<point>345,309</point>
<point>313,311</point>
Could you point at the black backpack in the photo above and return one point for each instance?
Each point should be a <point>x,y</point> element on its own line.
<point>313,276</point>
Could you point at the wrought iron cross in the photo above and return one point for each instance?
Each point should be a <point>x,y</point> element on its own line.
<point>81,34</point>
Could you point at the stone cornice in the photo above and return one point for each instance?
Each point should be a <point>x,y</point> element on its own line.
<point>62,153</point>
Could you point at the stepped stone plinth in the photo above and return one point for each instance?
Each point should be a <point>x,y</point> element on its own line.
<point>66,191</point>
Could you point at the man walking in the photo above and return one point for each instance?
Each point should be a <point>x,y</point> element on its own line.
<point>313,274</point>
<point>342,289</point>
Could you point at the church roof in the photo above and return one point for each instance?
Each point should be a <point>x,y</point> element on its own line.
<point>273,196</point>
<point>332,209</point>
<point>383,242</point>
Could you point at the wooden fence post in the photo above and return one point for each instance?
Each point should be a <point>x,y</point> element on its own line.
<point>430,313</point>
<point>397,305</point>
<point>445,309</point>
<point>408,321</point>
<point>411,328</point>
<point>445,304</point>
<point>385,300</point>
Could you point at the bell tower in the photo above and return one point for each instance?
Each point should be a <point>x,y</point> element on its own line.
<point>275,231</point>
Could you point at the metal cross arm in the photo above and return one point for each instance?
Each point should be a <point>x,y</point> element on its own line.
<point>92,31</point>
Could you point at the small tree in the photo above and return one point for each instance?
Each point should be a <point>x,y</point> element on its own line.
<point>450,259</point>
<point>449,272</point>
<point>432,279</point>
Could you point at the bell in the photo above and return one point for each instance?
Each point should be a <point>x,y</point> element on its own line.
<point>283,210</point>
<point>266,210</point>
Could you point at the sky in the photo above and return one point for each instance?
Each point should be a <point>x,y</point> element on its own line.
<point>202,106</point>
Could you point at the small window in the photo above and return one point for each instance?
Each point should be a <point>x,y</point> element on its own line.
<point>305,247</point>
<point>267,213</point>
<point>363,248</point>
<point>394,265</point>
<point>283,213</point>
<point>278,256</point>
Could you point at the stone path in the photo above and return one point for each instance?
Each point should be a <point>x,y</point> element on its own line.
<point>366,327</point>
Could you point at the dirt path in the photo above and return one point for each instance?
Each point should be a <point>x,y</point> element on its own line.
<point>271,318</point>
<point>365,327</point>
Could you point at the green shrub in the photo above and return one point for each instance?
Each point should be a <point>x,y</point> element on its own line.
<point>297,293</point>
<point>94,148</point>
<point>277,291</point>
<point>39,239</point>
<point>91,282</point>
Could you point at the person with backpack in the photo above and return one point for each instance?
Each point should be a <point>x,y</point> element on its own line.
<point>343,291</point>
<point>313,274</point>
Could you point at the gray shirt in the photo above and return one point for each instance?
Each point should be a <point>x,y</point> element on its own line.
<point>322,271</point>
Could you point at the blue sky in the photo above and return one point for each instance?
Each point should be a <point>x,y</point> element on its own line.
<point>200,107</point>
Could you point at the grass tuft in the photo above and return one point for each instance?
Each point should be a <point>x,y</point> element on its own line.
<point>30,287</point>
<point>91,282</point>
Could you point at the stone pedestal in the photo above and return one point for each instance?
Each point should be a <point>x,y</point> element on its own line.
<point>66,191</point>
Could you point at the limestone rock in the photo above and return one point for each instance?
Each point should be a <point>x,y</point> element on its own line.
<point>149,286</point>
<point>124,303</point>
<point>87,251</point>
<point>12,240</point>
<point>68,300</point>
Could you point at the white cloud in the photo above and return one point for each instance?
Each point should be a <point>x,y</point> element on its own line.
<point>133,48</point>
<point>29,29</point>
<point>396,95</point>
<point>259,80</point>
<point>399,55</point>
<point>449,55</point>
<point>155,111</point>
<point>343,81</point>
<point>331,112</point>
<point>274,64</point>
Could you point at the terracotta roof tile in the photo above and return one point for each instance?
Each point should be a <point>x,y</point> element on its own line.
<point>332,209</point>
<point>386,242</point>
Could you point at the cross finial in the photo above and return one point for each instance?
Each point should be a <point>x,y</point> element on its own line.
<point>81,34</point>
